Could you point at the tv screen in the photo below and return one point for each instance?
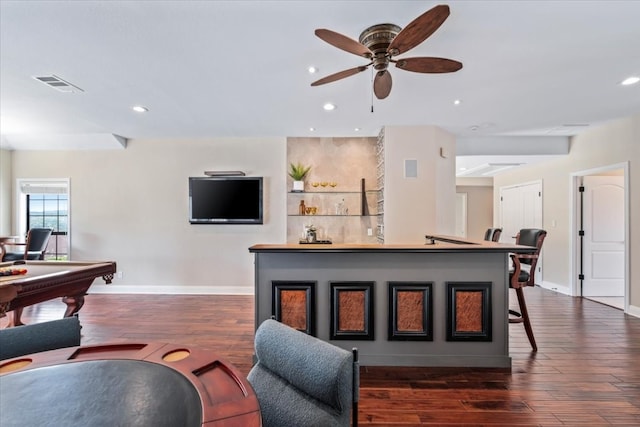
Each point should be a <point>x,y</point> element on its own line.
<point>225,200</point>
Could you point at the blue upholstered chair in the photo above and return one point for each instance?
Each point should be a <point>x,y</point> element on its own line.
<point>301,380</point>
<point>33,248</point>
<point>37,337</point>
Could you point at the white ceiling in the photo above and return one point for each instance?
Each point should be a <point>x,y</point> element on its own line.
<point>239,69</point>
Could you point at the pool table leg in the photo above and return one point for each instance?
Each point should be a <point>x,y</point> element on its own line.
<point>74,304</point>
<point>15,318</point>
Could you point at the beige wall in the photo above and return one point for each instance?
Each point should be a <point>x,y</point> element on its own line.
<point>5,192</point>
<point>479,209</point>
<point>610,144</point>
<point>414,207</point>
<point>131,206</point>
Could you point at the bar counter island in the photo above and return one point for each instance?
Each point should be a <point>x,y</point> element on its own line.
<point>443,303</point>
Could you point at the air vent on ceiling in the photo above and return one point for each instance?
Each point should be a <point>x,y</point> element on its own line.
<point>58,83</point>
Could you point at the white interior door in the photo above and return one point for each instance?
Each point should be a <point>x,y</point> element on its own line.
<point>510,213</point>
<point>604,234</point>
<point>461,215</point>
<point>521,207</point>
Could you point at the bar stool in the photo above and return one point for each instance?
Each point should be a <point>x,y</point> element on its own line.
<point>519,278</point>
<point>493,234</point>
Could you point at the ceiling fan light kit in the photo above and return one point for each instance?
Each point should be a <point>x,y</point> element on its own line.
<point>382,42</point>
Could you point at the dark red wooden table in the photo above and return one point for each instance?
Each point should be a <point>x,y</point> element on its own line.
<point>133,384</point>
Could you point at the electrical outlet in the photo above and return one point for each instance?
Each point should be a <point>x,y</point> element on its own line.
<point>369,232</point>
<point>119,274</point>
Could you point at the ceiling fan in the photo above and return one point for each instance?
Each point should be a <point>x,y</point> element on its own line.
<point>383,42</point>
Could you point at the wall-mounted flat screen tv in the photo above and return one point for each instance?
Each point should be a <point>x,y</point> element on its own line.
<point>225,200</point>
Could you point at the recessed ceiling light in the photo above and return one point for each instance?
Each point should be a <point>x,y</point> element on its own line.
<point>357,129</point>
<point>463,169</point>
<point>457,102</point>
<point>630,81</point>
<point>312,129</point>
<point>329,106</point>
<point>312,70</point>
<point>139,109</point>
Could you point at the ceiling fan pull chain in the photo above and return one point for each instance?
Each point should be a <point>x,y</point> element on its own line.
<point>371,91</point>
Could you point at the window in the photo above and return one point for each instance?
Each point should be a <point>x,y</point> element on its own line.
<point>45,202</point>
<point>50,210</point>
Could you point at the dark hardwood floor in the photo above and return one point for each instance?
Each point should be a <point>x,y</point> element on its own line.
<point>586,372</point>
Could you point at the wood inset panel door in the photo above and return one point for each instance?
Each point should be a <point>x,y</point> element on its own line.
<point>410,311</point>
<point>352,311</point>
<point>469,311</point>
<point>294,304</point>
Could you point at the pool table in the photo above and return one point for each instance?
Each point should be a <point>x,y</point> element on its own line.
<point>126,384</point>
<point>45,280</point>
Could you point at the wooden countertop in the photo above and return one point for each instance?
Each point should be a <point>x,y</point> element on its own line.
<point>442,244</point>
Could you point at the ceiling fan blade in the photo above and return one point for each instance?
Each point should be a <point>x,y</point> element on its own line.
<point>418,30</point>
<point>339,75</point>
<point>428,65</point>
<point>382,84</point>
<point>343,42</point>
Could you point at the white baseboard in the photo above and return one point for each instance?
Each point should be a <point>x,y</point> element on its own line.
<point>556,287</point>
<point>171,290</point>
<point>634,311</point>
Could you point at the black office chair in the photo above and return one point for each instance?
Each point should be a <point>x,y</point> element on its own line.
<point>519,278</point>
<point>34,247</point>
<point>493,234</point>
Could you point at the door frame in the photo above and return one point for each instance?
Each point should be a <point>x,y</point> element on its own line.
<point>465,197</point>
<point>576,181</point>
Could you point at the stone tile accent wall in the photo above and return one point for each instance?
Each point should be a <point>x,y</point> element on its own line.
<point>344,162</point>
